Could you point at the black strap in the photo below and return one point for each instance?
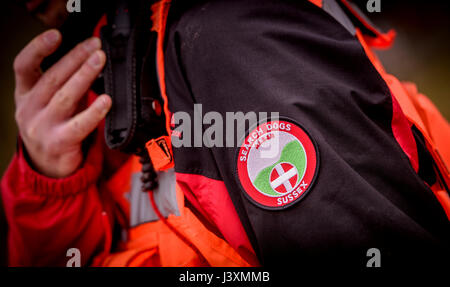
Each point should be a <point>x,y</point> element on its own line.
<point>130,77</point>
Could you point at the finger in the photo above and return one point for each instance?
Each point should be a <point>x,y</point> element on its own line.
<point>79,127</point>
<point>60,72</point>
<point>27,63</point>
<point>64,102</point>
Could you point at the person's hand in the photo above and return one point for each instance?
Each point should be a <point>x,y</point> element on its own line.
<point>46,103</point>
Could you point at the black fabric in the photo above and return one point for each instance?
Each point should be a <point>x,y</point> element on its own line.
<point>426,167</point>
<point>292,57</point>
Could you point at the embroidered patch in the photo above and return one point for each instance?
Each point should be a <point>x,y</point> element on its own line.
<point>277,164</point>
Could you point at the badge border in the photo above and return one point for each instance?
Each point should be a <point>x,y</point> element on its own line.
<point>313,180</point>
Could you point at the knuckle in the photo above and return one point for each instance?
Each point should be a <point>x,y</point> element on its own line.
<point>31,132</point>
<point>62,100</point>
<point>81,77</point>
<point>19,116</point>
<point>77,127</point>
<point>80,52</point>
<point>97,113</point>
<point>75,57</point>
<point>38,45</point>
<point>85,73</point>
<point>50,79</point>
<point>18,65</point>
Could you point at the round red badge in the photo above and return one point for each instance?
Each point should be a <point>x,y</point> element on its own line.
<point>277,164</point>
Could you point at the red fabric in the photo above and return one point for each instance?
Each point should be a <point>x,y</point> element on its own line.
<point>160,12</point>
<point>102,22</point>
<point>381,40</point>
<point>48,216</point>
<point>318,3</point>
<point>401,128</point>
<point>210,197</point>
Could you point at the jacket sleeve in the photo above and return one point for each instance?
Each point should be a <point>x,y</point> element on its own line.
<point>293,58</point>
<point>46,216</point>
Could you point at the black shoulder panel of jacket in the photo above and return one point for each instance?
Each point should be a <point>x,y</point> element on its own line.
<point>294,58</point>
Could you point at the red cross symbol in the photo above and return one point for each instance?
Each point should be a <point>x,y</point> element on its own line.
<point>283,177</point>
